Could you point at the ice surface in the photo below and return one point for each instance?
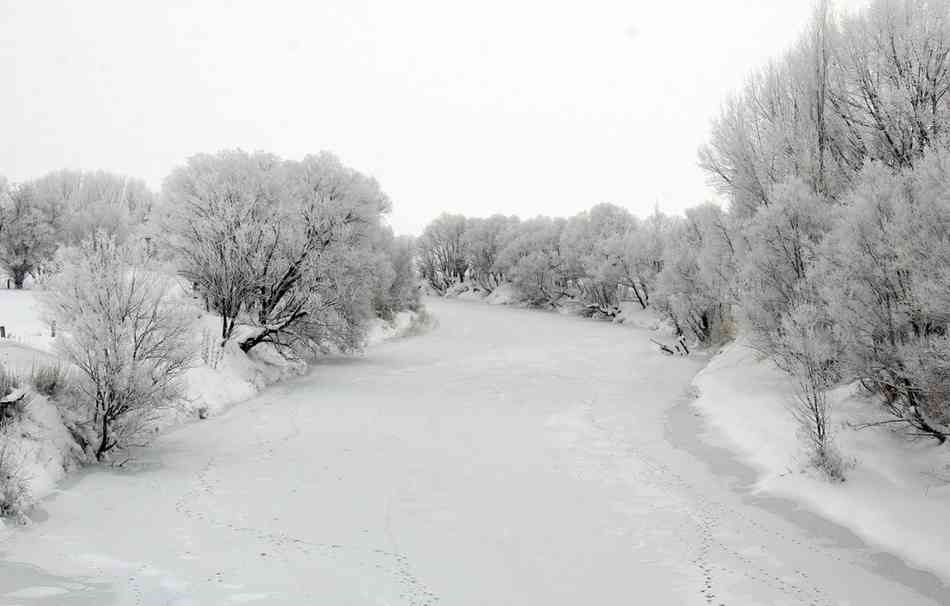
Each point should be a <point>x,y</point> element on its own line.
<point>507,457</point>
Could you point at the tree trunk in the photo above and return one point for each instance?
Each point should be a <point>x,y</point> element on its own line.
<point>104,445</point>
<point>636,291</point>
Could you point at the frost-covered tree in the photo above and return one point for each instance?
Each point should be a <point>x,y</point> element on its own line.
<point>806,348</point>
<point>120,328</point>
<point>483,240</point>
<point>442,251</point>
<point>778,246</point>
<point>884,274</point>
<point>696,286</point>
<point>532,260</point>
<point>27,242</point>
<point>222,212</point>
<point>398,284</point>
<point>592,252</point>
<point>889,81</point>
<point>77,205</point>
<point>640,253</point>
<point>289,248</point>
<point>314,279</point>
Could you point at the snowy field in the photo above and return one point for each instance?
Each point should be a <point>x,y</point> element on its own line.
<point>507,457</point>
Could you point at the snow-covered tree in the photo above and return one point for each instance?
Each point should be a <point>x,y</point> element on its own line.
<point>640,253</point>
<point>398,283</point>
<point>256,234</point>
<point>696,286</point>
<point>222,213</point>
<point>531,258</point>
<point>27,242</point>
<point>118,325</point>
<point>442,251</point>
<point>778,246</point>
<point>483,240</point>
<point>806,348</point>
<point>884,274</point>
<point>77,205</point>
<point>314,280</point>
<point>890,79</point>
<point>591,246</point>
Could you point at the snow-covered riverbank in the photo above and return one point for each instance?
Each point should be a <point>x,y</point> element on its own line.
<point>42,449</point>
<point>897,489</point>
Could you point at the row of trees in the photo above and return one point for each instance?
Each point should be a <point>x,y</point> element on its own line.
<point>599,255</point>
<point>63,208</point>
<point>833,253</point>
<point>294,254</point>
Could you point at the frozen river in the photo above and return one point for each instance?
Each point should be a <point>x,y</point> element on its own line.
<point>507,457</point>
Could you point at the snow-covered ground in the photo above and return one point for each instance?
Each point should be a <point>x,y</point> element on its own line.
<point>506,457</point>
<point>897,492</point>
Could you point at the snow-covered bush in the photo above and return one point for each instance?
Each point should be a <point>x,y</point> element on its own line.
<point>805,347</point>
<point>129,341</point>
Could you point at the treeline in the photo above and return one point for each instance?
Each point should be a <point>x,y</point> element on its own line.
<point>833,254</point>
<point>598,256</point>
<point>294,254</point>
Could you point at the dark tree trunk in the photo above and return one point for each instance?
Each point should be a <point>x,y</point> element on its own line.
<point>104,445</point>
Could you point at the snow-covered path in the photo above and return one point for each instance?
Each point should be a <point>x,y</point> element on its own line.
<point>507,457</point>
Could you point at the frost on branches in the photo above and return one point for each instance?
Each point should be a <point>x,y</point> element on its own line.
<point>129,341</point>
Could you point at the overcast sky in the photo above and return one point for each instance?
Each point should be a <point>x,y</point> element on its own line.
<point>531,107</point>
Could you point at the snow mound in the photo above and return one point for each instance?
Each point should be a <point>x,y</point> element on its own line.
<point>632,314</point>
<point>43,445</point>
<point>222,376</point>
<point>466,291</point>
<point>403,324</point>
<point>504,294</point>
<point>897,488</point>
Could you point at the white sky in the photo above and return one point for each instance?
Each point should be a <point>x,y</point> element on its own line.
<point>477,107</point>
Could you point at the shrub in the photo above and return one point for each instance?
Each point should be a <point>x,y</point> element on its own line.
<point>212,349</point>
<point>49,379</point>
<point>9,381</point>
<point>14,481</point>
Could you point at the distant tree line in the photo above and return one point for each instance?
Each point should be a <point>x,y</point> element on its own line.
<point>833,254</point>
